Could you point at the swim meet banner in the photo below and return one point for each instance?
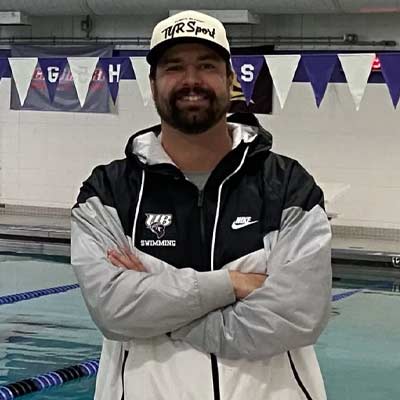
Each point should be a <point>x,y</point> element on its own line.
<point>86,82</point>
<point>53,86</point>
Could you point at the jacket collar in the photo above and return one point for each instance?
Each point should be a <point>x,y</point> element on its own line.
<point>146,144</point>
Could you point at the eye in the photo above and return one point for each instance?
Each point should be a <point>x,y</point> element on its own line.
<point>173,67</point>
<point>208,66</point>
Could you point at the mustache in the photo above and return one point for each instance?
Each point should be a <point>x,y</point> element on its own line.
<point>209,94</point>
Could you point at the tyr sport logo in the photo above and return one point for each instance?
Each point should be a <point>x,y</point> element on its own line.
<point>192,26</point>
<point>157,223</point>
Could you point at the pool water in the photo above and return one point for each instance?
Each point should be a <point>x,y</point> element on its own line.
<point>47,333</point>
<point>358,352</point>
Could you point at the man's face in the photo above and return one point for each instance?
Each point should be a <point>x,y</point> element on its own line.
<point>191,89</point>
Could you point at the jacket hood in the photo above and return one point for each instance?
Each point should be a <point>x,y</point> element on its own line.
<point>146,144</point>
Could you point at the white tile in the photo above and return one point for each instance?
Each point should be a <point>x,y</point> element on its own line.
<point>33,176</point>
<point>9,160</point>
<point>9,176</point>
<point>10,193</point>
<point>9,143</point>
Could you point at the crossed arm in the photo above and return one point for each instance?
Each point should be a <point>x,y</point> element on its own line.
<point>287,310</point>
<point>243,283</point>
<point>228,313</point>
<point>130,303</point>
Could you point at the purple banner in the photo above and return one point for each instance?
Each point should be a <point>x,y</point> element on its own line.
<point>390,66</point>
<point>247,69</point>
<point>65,97</point>
<point>114,69</point>
<point>3,66</point>
<point>52,69</point>
<point>319,68</point>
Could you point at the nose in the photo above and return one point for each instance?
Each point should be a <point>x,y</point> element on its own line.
<point>191,76</point>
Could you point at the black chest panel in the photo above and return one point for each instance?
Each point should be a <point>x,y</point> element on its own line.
<point>179,227</point>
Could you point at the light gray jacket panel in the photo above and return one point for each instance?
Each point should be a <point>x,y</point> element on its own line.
<point>292,307</point>
<point>127,304</point>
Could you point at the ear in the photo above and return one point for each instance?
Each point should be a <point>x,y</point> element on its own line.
<point>152,86</point>
<point>230,79</point>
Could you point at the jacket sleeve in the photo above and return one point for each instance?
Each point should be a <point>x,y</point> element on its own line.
<point>292,307</point>
<point>127,304</point>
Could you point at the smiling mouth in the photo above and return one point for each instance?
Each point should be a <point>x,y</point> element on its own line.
<point>193,98</point>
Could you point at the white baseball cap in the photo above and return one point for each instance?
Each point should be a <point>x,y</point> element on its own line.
<point>188,26</point>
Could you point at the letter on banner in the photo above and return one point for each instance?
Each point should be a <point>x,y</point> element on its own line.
<point>113,74</point>
<point>247,73</point>
<point>52,74</point>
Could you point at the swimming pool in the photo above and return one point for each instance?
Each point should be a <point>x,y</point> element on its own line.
<point>358,351</point>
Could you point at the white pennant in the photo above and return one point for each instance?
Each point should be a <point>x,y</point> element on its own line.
<point>282,68</point>
<point>357,68</point>
<point>22,70</point>
<point>82,69</point>
<point>142,70</point>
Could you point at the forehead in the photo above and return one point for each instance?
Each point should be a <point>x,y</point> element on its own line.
<point>189,51</point>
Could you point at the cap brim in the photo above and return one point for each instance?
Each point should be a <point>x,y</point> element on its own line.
<point>157,51</point>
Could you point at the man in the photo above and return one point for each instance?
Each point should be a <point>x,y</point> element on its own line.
<point>203,257</point>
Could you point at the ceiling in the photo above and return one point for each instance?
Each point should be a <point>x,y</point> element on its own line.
<point>131,7</point>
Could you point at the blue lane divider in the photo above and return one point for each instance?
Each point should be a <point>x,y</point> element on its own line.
<point>48,380</point>
<point>341,296</point>
<point>374,286</point>
<point>14,298</point>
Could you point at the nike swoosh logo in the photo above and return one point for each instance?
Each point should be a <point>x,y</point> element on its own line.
<point>240,225</point>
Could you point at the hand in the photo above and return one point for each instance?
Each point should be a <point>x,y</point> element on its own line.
<point>125,260</point>
<point>245,283</point>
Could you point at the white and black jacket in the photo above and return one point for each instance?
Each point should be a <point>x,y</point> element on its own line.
<point>176,332</point>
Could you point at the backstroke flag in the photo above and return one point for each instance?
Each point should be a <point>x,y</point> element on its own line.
<point>390,66</point>
<point>247,69</point>
<point>54,88</point>
<point>260,85</point>
<point>22,70</point>
<point>3,66</point>
<point>52,69</point>
<point>115,68</point>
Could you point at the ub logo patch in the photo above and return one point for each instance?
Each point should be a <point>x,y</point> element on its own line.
<point>157,223</point>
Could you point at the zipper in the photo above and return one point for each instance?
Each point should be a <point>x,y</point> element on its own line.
<point>214,360</point>
<point>200,205</point>
<point>214,363</point>
<point>200,202</point>
<point>123,373</point>
<point>298,379</point>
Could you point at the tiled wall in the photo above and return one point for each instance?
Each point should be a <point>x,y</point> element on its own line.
<point>45,156</point>
<point>338,144</point>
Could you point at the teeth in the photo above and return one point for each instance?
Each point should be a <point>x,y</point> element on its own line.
<point>192,98</point>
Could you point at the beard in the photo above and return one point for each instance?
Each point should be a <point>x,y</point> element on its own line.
<point>192,120</point>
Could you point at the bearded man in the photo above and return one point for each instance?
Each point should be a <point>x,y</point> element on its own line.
<point>203,257</point>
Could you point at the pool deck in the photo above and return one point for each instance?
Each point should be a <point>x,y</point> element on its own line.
<point>42,234</point>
